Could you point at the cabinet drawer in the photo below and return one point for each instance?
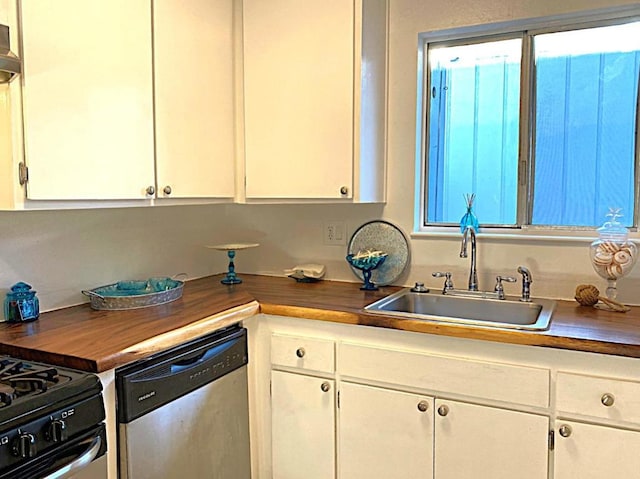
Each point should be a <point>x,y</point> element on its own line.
<point>488,380</point>
<point>311,354</point>
<point>607,398</point>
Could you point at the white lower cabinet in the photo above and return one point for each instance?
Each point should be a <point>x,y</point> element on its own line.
<point>588,451</point>
<point>364,403</point>
<point>608,449</point>
<point>384,434</point>
<point>302,426</point>
<point>473,441</point>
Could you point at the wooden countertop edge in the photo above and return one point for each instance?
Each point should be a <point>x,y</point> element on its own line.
<point>188,333</point>
<point>178,336</point>
<point>501,335</point>
<point>142,349</point>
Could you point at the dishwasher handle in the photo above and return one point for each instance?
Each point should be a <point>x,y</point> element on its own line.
<point>199,358</point>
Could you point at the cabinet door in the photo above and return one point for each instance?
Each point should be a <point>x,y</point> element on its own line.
<point>299,100</point>
<point>476,441</point>
<point>384,433</point>
<point>194,98</point>
<point>593,452</point>
<point>87,98</point>
<point>302,426</point>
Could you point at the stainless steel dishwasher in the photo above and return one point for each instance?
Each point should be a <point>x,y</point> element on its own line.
<point>184,413</point>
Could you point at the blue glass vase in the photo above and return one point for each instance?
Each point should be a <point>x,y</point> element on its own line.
<point>469,220</point>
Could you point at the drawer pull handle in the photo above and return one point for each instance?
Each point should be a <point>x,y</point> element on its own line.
<point>300,352</point>
<point>423,406</point>
<point>607,400</point>
<point>443,410</point>
<point>565,430</point>
<point>325,386</point>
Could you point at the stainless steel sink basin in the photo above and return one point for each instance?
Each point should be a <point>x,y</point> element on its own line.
<point>476,311</point>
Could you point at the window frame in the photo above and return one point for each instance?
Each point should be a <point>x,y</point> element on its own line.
<point>525,29</point>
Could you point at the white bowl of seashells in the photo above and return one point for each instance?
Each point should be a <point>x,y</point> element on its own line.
<point>612,254</point>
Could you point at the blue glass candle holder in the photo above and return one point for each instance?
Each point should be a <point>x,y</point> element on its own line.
<point>366,263</point>
<point>231,277</point>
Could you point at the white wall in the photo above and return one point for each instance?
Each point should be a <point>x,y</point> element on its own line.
<point>62,252</point>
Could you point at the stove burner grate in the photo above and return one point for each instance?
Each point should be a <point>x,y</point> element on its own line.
<point>19,378</point>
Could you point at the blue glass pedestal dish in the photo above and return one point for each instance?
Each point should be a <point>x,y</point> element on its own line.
<point>366,263</point>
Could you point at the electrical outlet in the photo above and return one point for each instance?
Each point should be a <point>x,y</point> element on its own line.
<point>335,233</point>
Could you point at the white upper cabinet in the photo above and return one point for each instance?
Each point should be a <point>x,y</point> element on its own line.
<point>194,98</point>
<point>314,117</point>
<point>128,99</point>
<point>87,98</point>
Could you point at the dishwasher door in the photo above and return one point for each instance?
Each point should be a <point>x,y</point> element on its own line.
<point>203,433</point>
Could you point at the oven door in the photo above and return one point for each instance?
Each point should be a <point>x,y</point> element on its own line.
<point>82,457</point>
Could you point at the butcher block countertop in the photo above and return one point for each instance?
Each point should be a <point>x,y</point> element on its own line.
<point>96,341</point>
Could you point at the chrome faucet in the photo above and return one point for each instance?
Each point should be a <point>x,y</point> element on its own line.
<point>473,275</point>
<point>526,284</point>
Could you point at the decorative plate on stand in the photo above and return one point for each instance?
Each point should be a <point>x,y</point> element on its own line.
<point>381,236</point>
<point>231,248</point>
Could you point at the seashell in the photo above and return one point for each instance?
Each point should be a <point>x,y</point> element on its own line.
<point>612,272</point>
<point>602,258</point>
<point>609,247</point>
<point>627,247</point>
<point>626,267</point>
<point>622,257</point>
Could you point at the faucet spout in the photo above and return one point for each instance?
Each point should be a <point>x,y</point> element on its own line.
<point>473,275</point>
<point>526,284</point>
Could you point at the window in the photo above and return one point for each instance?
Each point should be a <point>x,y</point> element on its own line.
<point>540,125</point>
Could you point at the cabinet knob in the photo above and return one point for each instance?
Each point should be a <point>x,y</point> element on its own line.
<point>443,410</point>
<point>325,386</point>
<point>607,399</point>
<point>300,352</point>
<point>344,190</point>
<point>151,190</point>
<point>167,190</point>
<point>565,430</point>
<point>423,406</point>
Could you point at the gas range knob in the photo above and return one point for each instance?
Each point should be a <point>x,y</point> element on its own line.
<point>57,431</point>
<point>24,446</point>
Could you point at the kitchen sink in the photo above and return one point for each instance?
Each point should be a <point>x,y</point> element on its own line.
<point>476,311</point>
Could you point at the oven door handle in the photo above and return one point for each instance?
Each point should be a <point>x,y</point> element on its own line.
<point>79,462</point>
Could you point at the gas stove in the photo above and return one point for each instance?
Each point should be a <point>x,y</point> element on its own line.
<point>45,411</point>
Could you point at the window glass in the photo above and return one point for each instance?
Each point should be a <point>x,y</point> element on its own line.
<point>585,109</point>
<point>557,111</point>
<point>473,135</point>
